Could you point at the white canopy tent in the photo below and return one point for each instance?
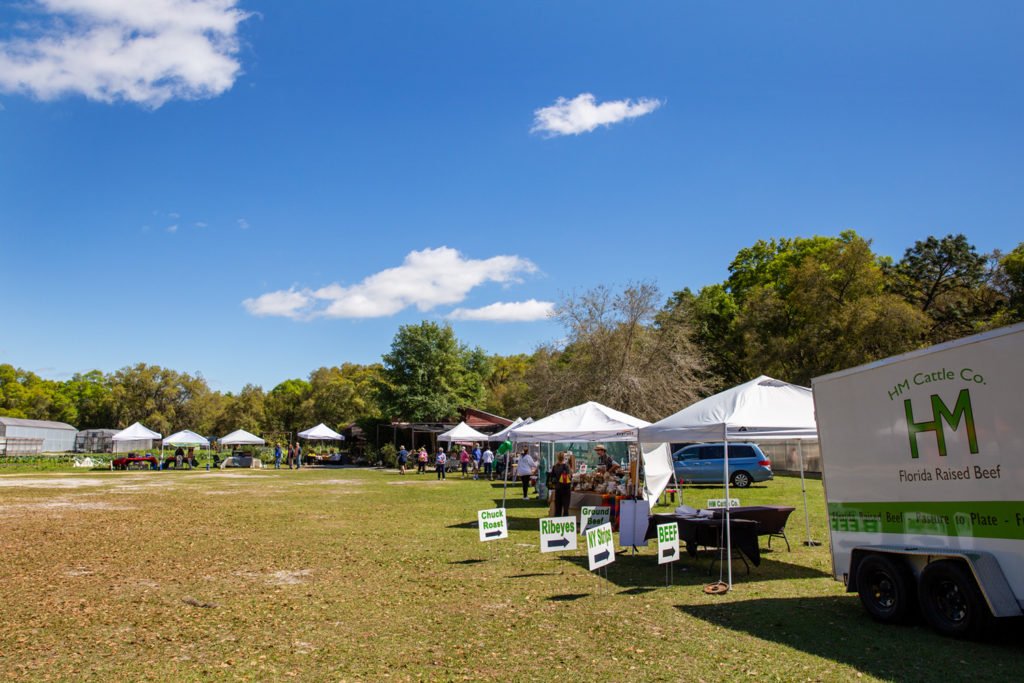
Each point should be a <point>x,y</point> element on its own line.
<point>463,433</point>
<point>240,437</point>
<point>507,431</point>
<point>763,408</point>
<point>186,438</point>
<point>592,421</point>
<point>321,433</point>
<point>136,437</point>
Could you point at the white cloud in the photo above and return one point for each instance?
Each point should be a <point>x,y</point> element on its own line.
<point>513,311</point>
<point>243,224</point>
<point>172,228</point>
<point>141,51</point>
<point>200,224</point>
<point>426,279</point>
<point>581,114</point>
<point>284,303</point>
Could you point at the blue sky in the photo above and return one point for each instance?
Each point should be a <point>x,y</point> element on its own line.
<point>251,190</point>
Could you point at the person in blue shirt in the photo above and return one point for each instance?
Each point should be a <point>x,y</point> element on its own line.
<point>403,457</point>
<point>277,456</point>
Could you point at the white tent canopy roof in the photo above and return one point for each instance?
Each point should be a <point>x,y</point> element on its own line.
<point>321,433</point>
<point>136,432</point>
<point>588,421</point>
<point>240,437</point>
<point>186,438</point>
<point>462,432</point>
<point>506,433</point>
<point>763,408</point>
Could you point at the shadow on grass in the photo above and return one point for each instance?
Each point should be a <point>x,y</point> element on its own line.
<point>514,524</point>
<point>466,561</point>
<point>631,571</point>
<point>837,628</point>
<point>568,597</point>
<point>526,576</point>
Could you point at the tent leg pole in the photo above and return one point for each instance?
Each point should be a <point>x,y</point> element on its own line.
<point>803,489</point>
<point>728,518</point>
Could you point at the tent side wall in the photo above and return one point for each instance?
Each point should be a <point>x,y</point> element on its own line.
<point>134,445</point>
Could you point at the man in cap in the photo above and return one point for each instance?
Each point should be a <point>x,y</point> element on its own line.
<point>604,459</point>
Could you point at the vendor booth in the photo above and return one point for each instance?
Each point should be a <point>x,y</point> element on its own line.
<point>240,437</point>
<point>593,422</point>
<point>183,439</point>
<point>322,433</point>
<point>134,438</point>
<point>763,408</point>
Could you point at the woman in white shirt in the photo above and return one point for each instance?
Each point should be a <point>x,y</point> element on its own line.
<point>525,470</point>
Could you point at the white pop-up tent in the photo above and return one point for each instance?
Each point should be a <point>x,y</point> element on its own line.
<point>186,438</point>
<point>462,433</point>
<point>321,433</point>
<point>507,431</point>
<point>592,421</point>
<point>136,437</point>
<point>240,437</point>
<point>763,408</point>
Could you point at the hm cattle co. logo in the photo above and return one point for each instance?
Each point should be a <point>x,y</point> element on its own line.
<point>942,416</point>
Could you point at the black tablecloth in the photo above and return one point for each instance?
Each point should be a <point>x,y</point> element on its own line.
<point>707,532</point>
<point>771,519</point>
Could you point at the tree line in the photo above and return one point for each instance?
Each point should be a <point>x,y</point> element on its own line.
<point>792,308</point>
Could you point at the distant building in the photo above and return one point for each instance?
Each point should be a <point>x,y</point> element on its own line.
<point>26,437</point>
<point>95,441</point>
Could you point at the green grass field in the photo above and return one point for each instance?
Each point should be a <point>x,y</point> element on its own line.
<point>353,574</point>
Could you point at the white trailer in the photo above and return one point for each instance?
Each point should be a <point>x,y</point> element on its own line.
<point>923,466</point>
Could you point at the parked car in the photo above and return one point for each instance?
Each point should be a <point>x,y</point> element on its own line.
<point>702,464</point>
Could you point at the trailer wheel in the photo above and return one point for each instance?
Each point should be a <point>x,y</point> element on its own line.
<point>951,601</point>
<point>886,589</point>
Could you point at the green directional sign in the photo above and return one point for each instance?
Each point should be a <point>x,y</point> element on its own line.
<point>557,533</point>
<point>600,546</point>
<point>493,524</point>
<point>668,542</point>
<point>593,516</point>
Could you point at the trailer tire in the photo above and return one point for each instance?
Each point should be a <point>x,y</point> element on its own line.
<point>886,589</point>
<point>951,601</point>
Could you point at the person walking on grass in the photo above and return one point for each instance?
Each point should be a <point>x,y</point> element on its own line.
<point>476,460</point>
<point>464,461</point>
<point>488,460</point>
<point>525,470</point>
<point>421,461</point>
<point>440,462</point>
<point>403,457</point>
<point>277,456</point>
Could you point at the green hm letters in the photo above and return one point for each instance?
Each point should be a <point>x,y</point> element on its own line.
<point>941,413</point>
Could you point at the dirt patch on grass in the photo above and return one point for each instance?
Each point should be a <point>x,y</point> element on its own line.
<point>411,483</point>
<point>54,483</point>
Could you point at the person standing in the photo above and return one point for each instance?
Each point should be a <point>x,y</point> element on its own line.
<point>524,470</point>
<point>179,457</point>
<point>464,461</point>
<point>421,461</point>
<point>476,460</point>
<point>488,459</point>
<point>298,456</point>
<point>561,477</point>
<point>439,462</point>
<point>403,457</point>
<point>291,456</point>
<point>277,456</point>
